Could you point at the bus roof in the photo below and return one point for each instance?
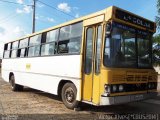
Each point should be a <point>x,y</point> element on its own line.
<point>110,9</point>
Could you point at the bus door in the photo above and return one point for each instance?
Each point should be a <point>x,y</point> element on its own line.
<point>92,60</point>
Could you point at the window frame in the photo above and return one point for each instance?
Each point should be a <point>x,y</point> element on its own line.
<point>137,32</point>
<point>33,37</point>
<point>70,39</point>
<point>43,41</point>
<point>23,40</point>
<point>8,55</point>
<point>34,51</point>
<point>91,67</point>
<point>48,43</point>
<point>100,45</point>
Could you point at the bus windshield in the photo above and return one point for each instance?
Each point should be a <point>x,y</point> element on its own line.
<point>127,47</point>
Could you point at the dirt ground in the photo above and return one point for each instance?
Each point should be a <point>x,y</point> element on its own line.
<point>31,104</point>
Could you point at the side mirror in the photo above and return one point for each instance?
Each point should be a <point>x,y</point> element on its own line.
<point>108,29</point>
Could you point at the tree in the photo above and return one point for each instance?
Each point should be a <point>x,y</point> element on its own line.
<point>156,49</point>
<point>158,16</point>
<point>156,39</point>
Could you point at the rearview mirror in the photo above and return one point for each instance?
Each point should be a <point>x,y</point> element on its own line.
<point>108,29</point>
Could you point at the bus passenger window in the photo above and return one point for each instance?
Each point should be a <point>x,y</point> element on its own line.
<point>33,51</point>
<point>23,52</point>
<point>13,53</point>
<point>63,47</point>
<point>64,33</point>
<point>15,45</point>
<point>7,46</point>
<point>6,53</point>
<point>74,45</point>
<point>23,43</point>
<point>52,35</point>
<point>48,49</point>
<point>35,40</point>
<point>19,53</point>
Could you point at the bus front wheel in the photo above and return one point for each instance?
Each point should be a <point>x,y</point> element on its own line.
<point>68,94</point>
<point>14,86</point>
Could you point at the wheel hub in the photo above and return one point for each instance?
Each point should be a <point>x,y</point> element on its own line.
<point>12,81</point>
<point>69,94</point>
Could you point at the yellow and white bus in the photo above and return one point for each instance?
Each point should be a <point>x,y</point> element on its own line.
<point>104,58</point>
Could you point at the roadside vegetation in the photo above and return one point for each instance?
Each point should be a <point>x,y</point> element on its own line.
<point>156,38</point>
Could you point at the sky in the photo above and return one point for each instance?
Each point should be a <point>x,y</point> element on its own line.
<point>16,19</point>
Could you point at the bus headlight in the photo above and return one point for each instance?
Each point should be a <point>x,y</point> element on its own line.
<point>149,85</point>
<point>152,85</point>
<point>121,88</point>
<point>107,88</point>
<point>114,88</point>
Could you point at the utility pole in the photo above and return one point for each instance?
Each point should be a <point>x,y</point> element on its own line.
<point>33,16</point>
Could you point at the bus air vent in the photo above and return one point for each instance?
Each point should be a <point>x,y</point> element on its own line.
<point>116,78</point>
<point>137,78</point>
<point>152,78</point>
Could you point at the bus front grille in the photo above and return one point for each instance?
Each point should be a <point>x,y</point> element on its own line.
<point>137,77</point>
<point>152,78</point>
<point>117,78</point>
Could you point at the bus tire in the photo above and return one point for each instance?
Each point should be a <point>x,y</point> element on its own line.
<point>14,86</point>
<point>68,94</point>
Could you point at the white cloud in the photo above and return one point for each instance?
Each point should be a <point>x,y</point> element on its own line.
<point>9,33</point>
<point>20,1</point>
<point>19,31</point>
<point>2,31</point>
<point>50,19</point>
<point>26,9</point>
<point>37,17</point>
<point>64,7</point>
<point>19,10</point>
<point>77,15</point>
<point>43,18</point>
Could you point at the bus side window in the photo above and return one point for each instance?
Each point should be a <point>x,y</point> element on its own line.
<point>33,51</point>
<point>52,36</point>
<point>35,40</point>
<point>48,49</point>
<point>22,52</point>
<point>19,53</point>
<point>6,53</point>
<point>15,45</point>
<point>70,39</point>
<point>63,46</point>
<point>69,46</point>
<point>74,45</point>
<point>14,53</point>
<point>6,46</point>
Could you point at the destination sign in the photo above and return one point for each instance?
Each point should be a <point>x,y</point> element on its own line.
<point>134,19</point>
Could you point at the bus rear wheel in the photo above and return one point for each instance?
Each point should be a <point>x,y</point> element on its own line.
<point>68,94</point>
<point>14,86</point>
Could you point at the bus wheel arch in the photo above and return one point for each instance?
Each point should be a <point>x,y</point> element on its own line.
<point>68,92</point>
<point>14,86</point>
<point>61,84</point>
<point>10,75</point>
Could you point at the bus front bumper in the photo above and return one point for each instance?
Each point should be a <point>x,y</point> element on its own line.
<point>125,99</point>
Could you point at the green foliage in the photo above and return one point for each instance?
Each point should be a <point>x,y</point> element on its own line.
<point>158,16</point>
<point>156,52</point>
<point>156,39</point>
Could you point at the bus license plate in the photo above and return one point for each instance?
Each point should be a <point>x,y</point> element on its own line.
<point>138,97</point>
